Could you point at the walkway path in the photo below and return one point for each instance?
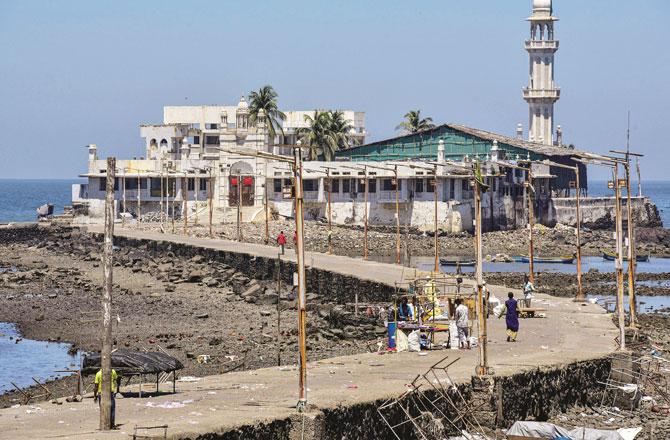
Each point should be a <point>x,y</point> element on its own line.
<point>571,332</point>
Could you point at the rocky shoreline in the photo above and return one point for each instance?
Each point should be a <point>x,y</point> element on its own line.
<point>189,307</point>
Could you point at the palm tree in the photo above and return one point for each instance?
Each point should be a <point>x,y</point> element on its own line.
<point>266,98</point>
<point>341,128</point>
<point>414,124</point>
<point>319,137</point>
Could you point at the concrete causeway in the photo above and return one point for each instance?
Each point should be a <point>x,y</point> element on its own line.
<point>571,332</point>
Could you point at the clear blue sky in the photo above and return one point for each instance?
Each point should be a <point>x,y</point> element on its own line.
<point>80,72</point>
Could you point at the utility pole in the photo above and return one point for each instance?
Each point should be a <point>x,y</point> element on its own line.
<point>483,367</point>
<point>580,292</point>
<point>330,212</point>
<point>184,194</point>
<point>107,265</point>
<point>123,182</point>
<point>365,226</point>
<point>437,242</point>
<point>267,211</point>
<point>631,232</point>
<point>397,216</point>
<point>531,222</point>
<point>196,188</point>
<point>139,199</point>
<point>174,196</point>
<point>239,202</point>
<point>162,196</point>
<point>210,202</point>
<point>302,296</point>
<point>619,259</point>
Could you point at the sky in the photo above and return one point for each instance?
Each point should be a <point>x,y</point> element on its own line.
<point>79,72</point>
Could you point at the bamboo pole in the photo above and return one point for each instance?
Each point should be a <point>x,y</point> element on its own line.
<point>239,203</point>
<point>278,309</point>
<point>619,259</point>
<point>123,188</point>
<point>174,196</point>
<point>365,226</point>
<point>300,256</point>
<point>160,217</point>
<point>107,268</point>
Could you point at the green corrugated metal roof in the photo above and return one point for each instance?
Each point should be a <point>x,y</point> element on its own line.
<point>459,141</point>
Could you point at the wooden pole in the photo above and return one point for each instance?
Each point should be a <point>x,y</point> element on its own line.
<point>302,296</point>
<point>184,197</point>
<point>531,224</point>
<point>437,242</point>
<point>139,199</point>
<point>107,268</point>
<point>196,187</point>
<point>330,213</point>
<point>578,215</point>
<point>483,367</point>
<point>397,216</point>
<point>619,260</point>
<point>631,250</point>
<point>174,196</point>
<point>123,182</point>
<point>161,204</point>
<point>267,210</point>
<point>210,202</point>
<point>239,203</point>
<point>365,226</point>
<point>278,310</point>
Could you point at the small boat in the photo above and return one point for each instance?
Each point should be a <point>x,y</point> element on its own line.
<point>565,259</point>
<point>611,256</point>
<point>462,263</point>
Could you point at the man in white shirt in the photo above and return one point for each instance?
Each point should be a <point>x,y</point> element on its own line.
<point>462,324</point>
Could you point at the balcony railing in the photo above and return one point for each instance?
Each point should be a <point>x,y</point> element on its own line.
<point>541,93</point>
<point>542,44</point>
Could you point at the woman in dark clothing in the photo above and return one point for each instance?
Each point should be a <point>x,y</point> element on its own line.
<point>511,317</point>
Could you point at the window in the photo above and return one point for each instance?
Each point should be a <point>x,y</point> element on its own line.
<point>452,189</point>
<point>372,186</point>
<point>191,184</point>
<point>361,184</point>
<point>203,184</point>
<point>143,183</point>
<point>346,185</point>
<point>211,140</point>
<point>131,183</point>
<point>418,185</point>
<point>277,185</point>
<point>310,185</point>
<point>465,185</point>
<point>431,184</point>
<point>103,184</point>
<point>335,186</point>
<point>388,185</point>
<point>196,140</point>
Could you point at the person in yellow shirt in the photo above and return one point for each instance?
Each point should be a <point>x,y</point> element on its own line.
<point>97,390</point>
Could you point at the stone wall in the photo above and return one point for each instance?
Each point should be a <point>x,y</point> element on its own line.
<point>598,212</point>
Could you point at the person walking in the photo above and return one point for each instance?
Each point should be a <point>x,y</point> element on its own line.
<point>528,289</point>
<point>97,391</point>
<point>281,241</point>
<point>511,317</point>
<point>462,324</point>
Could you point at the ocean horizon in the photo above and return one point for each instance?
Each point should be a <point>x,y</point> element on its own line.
<point>20,198</point>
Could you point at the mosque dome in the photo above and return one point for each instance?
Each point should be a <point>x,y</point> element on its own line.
<point>243,103</point>
<point>542,6</point>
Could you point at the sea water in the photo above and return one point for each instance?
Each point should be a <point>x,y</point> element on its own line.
<point>19,198</point>
<point>23,359</point>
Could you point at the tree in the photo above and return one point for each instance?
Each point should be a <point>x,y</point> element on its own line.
<point>414,124</point>
<point>341,128</point>
<point>266,98</point>
<point>318,136</point>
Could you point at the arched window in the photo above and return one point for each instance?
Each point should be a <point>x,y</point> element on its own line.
<point>163,143</point>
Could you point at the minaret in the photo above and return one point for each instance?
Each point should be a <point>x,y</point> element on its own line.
<point>542,93</point>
